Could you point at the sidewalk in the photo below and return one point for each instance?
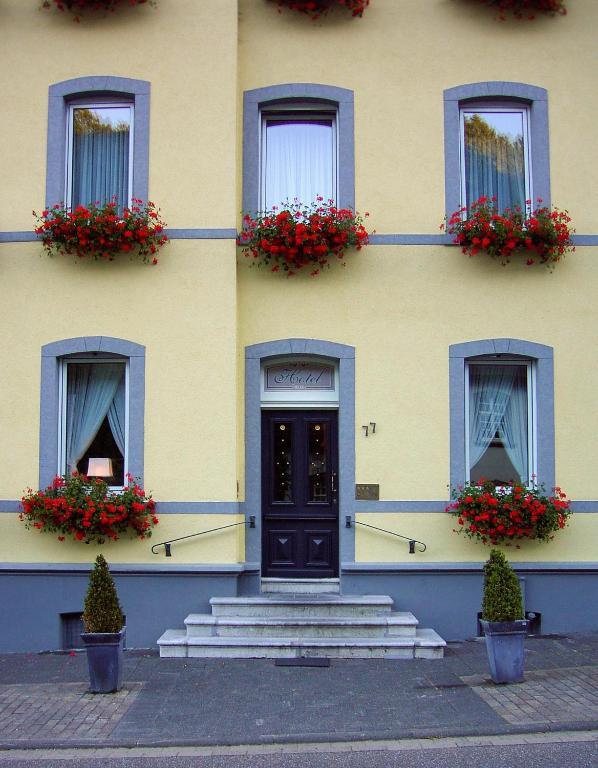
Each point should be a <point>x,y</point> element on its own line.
<point>44,703</point>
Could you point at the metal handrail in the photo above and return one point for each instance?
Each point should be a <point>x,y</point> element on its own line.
<point>166,544</point>
<point>412,542</point>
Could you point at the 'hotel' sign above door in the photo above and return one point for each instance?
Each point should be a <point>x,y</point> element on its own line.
<point>299,376</point>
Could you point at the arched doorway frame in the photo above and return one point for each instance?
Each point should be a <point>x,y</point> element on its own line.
<point>344,356</point>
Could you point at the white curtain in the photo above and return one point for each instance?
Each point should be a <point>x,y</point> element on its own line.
<point>91,390</point>
<point>513,429</point>
<point>498,404</point>
<point>116,416</point>
<point>298,161</point>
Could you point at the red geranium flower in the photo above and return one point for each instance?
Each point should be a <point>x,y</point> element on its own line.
<point>300,236</point>
<point>316,8</point>
<point>88,510</point>
<point>98,231</point>
<point>543,234</point>
<point>496,515</point>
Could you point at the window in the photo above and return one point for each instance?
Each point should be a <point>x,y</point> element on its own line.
<point>496,144</point>
<point>93,418</point>
<point>99,153</point>
<point>495,157</point>
<point>92,407</point>
<point>298,143</point>
<point>298,156</point>
<point>501,411</point>
<point>98,140</point>
<point>499,408</point>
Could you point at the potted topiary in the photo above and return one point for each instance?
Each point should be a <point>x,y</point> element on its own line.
<point>104,631</point>
<point>502,620</point>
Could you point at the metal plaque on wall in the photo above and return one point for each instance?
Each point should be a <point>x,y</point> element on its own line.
<point>367,492</point>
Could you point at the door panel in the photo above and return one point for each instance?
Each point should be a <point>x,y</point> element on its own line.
<point>299,494</point>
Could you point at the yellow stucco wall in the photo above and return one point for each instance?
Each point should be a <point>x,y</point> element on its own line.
<point>186,49</point>
<point>20,545</point>
<point>399,58</point>
<point>183,310</point>
<point>575,543</point>
<point>401,307</point>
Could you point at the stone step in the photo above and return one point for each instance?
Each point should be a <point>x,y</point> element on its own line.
<point>393,624</point>
<point>426,644</point>
<point>300,586</point>
<point>324,605</point>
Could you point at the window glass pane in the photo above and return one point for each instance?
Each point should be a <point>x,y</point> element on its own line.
<point>95,419</point>
<point>495,157</point>
<point>299,161</point>
<point>283,462</point>
<point>498,423</point>
<point>100,161</point>
<point>317,469</point>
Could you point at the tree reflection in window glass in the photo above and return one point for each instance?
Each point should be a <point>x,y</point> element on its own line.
<point>494,157</point>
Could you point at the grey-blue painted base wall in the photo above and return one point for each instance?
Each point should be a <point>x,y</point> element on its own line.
<point>446,600</point>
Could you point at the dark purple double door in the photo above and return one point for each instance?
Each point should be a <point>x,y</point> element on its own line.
<point>299,494</point>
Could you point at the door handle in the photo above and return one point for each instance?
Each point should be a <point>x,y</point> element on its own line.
<point>333,482</point>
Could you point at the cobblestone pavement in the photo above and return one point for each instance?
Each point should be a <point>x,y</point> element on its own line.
<point>61,711</point>
<point>44,701</point>
<point>552,696</point>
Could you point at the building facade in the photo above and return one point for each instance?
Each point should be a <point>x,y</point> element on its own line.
<point>367,371</point>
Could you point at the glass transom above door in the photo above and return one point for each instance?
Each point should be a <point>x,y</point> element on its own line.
<point>299,382</point>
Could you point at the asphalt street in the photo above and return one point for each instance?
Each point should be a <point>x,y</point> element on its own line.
<point>544,754</point>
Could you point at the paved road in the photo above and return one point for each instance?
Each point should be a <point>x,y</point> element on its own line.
<point>556,750</point>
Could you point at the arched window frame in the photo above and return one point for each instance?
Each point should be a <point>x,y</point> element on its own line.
<point>499,94</point>
<point>102,347</point>
<point>542,359</point>
<point>285,98</point>
<point>96,90</point>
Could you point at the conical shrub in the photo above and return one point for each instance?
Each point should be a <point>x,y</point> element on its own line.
<point>502,593</point>
<point>102,611</point>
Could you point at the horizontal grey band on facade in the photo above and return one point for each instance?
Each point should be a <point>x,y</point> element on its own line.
<point>231,234</point>
<point>201,234</point>
<point>133,569</point>
<point>199,508</point>
<point>470,567</point>
<point>361,507</point>
<point>251,567</point>
<point>399,239</point>
<point>400,506</point>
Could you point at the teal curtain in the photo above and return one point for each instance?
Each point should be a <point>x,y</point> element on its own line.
<point>91,393</point>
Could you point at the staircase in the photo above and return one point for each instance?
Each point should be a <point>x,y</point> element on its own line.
<point>283,625</point>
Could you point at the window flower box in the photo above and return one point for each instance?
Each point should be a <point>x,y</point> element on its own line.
<point>526,9</point>
<point>504,514</point>
<point>77,6</point>
<point>101,231</point>
<point>299,236</point>
<point>86,509</point>
<point>544,234</point>
<point>316,8</point>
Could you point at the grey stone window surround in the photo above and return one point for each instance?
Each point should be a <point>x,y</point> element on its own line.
<point>104,346</point>
<point>535,98</point>
<point>255,356</point>
<point>284,96</point>
<point>543,359</point>
<point>62,94</point>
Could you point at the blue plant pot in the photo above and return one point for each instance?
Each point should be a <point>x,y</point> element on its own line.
<point>506,650</point>
<point>104,660</point>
